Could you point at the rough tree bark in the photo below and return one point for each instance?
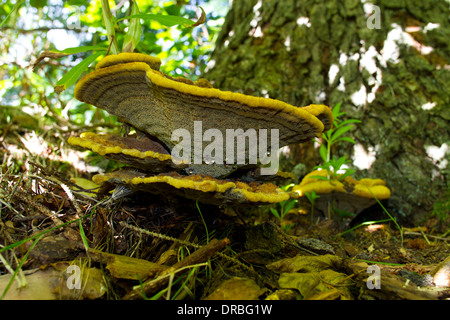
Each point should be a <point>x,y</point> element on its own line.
<point>319,51</point>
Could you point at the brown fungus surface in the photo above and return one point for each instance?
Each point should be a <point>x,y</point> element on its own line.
<point>142,153</point>
<point>158,105</point>
<point>130,87</point>
<point>148,155</point>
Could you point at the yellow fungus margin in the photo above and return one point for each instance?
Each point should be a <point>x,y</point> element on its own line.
<point>96,143</point>
<point>205,188</point>
<point>361,188</point>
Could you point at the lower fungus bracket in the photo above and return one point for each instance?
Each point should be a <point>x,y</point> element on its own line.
<point>205,189</point>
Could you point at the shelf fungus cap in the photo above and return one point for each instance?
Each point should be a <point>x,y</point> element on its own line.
<point>141,96</point>
<point>205,189</point>
<point>126,57</point>
<point>349,194</point>
<point>150,156</point>
<point>142,153</point>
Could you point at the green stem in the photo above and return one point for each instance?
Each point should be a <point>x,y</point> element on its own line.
<point>328,150</point>
<point>328,169</point>
<point>328,140</point>
<point>16,7</point>
<point>109,21</point>
<point>132,37</point>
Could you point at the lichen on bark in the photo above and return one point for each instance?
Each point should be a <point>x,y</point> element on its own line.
<point>286,49</point>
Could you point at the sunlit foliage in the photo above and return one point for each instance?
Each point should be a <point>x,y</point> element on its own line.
<point>43,25</point>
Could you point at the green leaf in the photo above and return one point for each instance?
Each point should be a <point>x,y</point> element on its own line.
<point>348,121</point>
<point>342,213</point>
<point>39,4</point>
<point>169,20</point>
<point>110,22</point>
<point>336,109</point>
<point>57,54</point>
<point>275,213</point>
<point>166,20</point>
<point>325,166</point>
<point>83,236</point>
<point>348,139</point>
<point>336,112</point>
<point>73,74</point>
<point>288,206</point>
<point>173,10</point>
<point>323,152</point>
<point>133,35</point>
<point>347,173</point>
<point>340,162</point>
<point>339,132</point>
<point>288,186</point>
<point>320,178</point>
<point>312,196</point>
<point>75,50</point>
<point>16,6</point>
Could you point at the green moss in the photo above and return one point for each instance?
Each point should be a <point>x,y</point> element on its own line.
<point>441,208</point>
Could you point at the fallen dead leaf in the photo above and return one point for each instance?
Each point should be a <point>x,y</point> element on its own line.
<point>236,289</point>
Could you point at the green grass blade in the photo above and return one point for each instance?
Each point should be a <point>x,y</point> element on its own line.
<point>83,236</point>
<point>20,266</point>
<point>20,242</point>
<point>389,215</point>
<point>366,223</point>
<point>184,285</point>
<point>204,223</point>
<point>16,6</point>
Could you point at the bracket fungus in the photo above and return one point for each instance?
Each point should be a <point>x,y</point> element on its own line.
<point>149,156</point>
<point>164,110</point>
<point>158,105</point>
<point>348,194</point>
<point>142,153</point>
<point>205,189</point>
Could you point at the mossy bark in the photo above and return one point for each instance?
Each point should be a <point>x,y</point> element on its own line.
<point>285,49</point>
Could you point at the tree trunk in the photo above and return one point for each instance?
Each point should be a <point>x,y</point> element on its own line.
<point>317,51</point>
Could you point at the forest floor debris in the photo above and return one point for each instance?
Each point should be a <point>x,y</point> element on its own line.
<point>161,247</point>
